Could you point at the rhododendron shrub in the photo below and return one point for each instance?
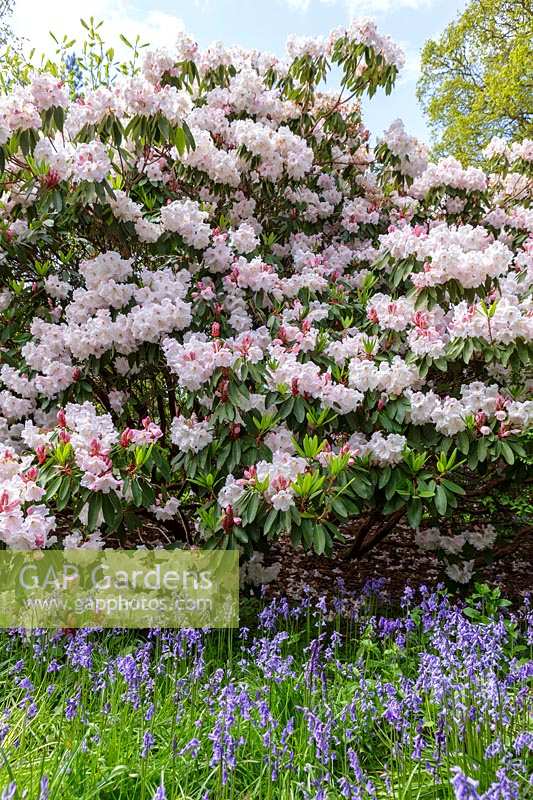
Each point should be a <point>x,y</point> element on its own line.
<point>223,309</point>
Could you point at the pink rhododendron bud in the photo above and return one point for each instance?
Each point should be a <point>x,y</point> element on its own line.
<point>51,179</point>
<point>229,520</point>
<point>126,437</point>
<point>250,474</point>
<point>31,474</point>
<point>41,452</point>
<point>235,430</point>
<point>480,419</point>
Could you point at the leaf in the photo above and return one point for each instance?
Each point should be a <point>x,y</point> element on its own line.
<point>307,530</point>
<point>59,117</point>
<point>414,513</point>
<point>124,40</point>
<point>136,492</point>
<point>463,442</point>
<point>162,465</point>
<point>453,487</point>
<point>180,140</point>
<point>115,501</point>
<point>384,477</point>
<point>53,487</point>
<point>299,409</point>
<point>319,540</point>
<point>253,507</point>
<point>223,455</point>
<point>95,506</point>
<point>108,510</point>
<point>269,522</point>
<point>240,535</point>
<point>189,137</point>
<point>362,489</point>
<point>507,453</point>
<point>468,351</point>
<point>148,493</point>
<point>64,495</point>
<point>339,507</point>
<point>164,128</point>
<point>441,500</point>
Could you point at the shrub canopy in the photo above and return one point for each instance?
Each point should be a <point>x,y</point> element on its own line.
<point>223,308</point>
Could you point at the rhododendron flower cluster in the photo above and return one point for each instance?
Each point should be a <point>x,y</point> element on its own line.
<point>25,523</point>
<point>224,309</point>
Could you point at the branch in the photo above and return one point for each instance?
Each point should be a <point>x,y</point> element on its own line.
<point>361,547</point>
<point>383,532</point>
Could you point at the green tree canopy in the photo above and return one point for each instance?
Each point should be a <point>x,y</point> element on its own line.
<point>477,78</point>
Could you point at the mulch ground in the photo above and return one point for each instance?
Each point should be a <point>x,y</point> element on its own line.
<point>400,562</point>
<point>397,559</point>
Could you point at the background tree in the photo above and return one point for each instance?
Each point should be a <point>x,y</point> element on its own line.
<point>14,66</point>
<point>6,9</point>
<point>477,78</point>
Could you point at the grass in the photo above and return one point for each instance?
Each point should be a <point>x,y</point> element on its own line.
<point>344,701</point>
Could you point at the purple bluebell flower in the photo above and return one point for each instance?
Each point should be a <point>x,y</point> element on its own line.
<point>43,788</point>
<point>9,792</point>
<point>72,706</point>
<point>160,793</point>
<point>192,747</point>
<point>503,788</point>
<point>493,749</point>
<point>463,787</point>
<point>148,743</point>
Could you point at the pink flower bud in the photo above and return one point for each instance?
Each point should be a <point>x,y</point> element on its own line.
<point>126,437</point>
<point>41,452</point>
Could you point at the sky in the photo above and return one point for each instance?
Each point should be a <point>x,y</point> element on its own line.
<point>259,24</point>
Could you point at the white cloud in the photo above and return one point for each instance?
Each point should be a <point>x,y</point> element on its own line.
<point>411,69</point>
<point>303,5</point>
<point>299,5</point>
<point>357,7</point>
<point>33,20</point>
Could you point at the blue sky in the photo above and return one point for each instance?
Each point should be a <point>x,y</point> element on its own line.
<point>259,24</point>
